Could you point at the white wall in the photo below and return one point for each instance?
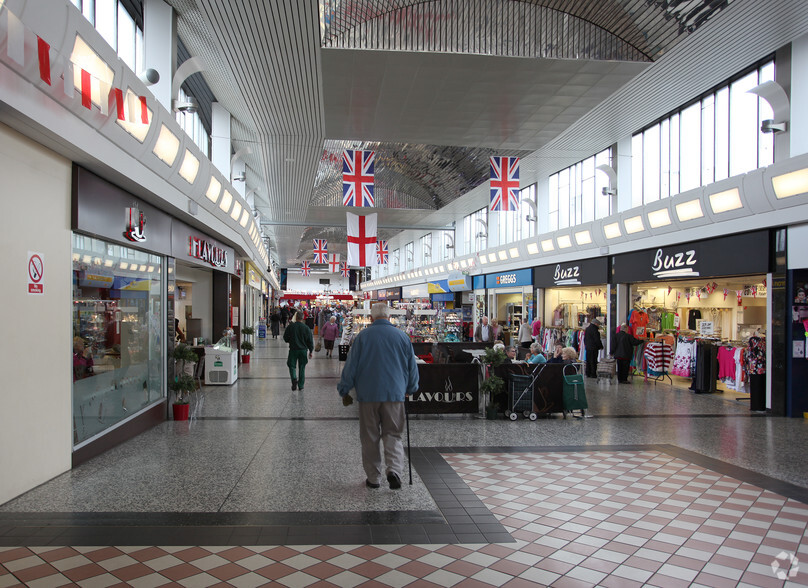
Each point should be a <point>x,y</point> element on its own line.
<point>798,127</point>
<point>201,298</point>
<point>298,283</point>
<point>35,399</point>
<point>797,243</point>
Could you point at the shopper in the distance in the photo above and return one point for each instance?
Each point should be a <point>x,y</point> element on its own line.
<point>593,345</point>
<point>484,331</point>
<point>298,336</point>
<point>623,349</point>
<point>330,333</point>
<point>381,367</point>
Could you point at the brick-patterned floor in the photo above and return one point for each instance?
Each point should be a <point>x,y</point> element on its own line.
<point>600,518</point>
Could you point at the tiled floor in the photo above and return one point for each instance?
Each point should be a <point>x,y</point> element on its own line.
<point>659,488</point>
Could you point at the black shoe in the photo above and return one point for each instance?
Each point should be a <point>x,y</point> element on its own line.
<point>300,389</point>
<point>294,384</point>
<point>394,481</point>
<point>370,484</point>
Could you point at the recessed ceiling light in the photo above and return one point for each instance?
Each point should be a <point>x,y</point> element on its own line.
<point>583,237</point>
<point>725,201</point>
<point>659,218</point>
<point>547,245</point>
<point>790,184</point>
<point>532,248</point>
<point>564,242</point>
<point>612,231</point>
<point>689,210</point>
<point>634,225</point>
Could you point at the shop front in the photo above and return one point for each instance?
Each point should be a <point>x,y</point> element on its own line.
<point>389,295</point>
<point>253,295</point>
<point>121,257</point>
<point>510,301</point>
<point>570,296</point>
<point>700,308</point>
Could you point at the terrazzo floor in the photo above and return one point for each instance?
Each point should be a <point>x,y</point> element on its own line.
<point>264,485</point>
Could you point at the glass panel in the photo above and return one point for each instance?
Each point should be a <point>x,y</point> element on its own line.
<point>722,134</point>
<point>105,17</point>
<point>126,38</point>
<point>564,198</point>
<point>665,158</point>
<point>707,139</point>
<point>765,140</point>
<point>76,3</point>
<point>139,50</point>
<point>88,10</point>
<point>690,147</point>
<point>743,125</point>
<point>636,170</point>
<point>650,165</point>
<point>467,235</point>
<point>675,155</point>
<point>117,330</point>
<point>552,204</point>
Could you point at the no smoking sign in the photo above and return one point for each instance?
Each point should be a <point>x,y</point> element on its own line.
<point>36,273</point>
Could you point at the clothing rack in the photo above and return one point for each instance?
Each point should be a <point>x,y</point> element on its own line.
<point>663,372</point>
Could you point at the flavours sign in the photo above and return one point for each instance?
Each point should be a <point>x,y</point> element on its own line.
<point>207,252</point>
<point>446,388</point>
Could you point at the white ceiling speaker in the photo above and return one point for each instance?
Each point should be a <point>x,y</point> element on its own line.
<point>149,76</point>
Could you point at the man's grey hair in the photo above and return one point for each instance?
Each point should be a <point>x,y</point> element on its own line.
<point>380,310</point>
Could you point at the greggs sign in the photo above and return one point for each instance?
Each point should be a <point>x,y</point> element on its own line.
<point>207,252</point>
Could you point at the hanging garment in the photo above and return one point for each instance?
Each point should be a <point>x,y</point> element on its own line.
<point>692,317</point>
<point>706,368</point>
<point>658,357</point>
<point>755,356</point>
<point>682,361</point>
<point>638,324</point>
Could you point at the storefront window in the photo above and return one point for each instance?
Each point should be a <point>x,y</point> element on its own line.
<point>117,328</point>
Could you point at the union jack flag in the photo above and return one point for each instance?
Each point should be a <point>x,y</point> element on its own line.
<point>305,268</point>
<point>381,252</point>
<point>357,177</point>
<point>505,183</point>
<point>320,251</point>
<point>343,267</point>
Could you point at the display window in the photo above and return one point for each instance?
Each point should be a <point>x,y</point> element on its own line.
<point>699,333</point>
<point>117,334</point>
<point>570,308</point>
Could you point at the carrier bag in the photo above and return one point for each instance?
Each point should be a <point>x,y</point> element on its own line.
<point>573,390</point>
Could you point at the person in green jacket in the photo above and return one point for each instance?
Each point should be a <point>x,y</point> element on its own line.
<point>300,340</point>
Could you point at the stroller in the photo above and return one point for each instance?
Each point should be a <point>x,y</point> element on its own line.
<point>607,369</point>
<point>521,394</point>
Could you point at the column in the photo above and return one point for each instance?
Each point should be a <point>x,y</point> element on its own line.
<point>159,47</point>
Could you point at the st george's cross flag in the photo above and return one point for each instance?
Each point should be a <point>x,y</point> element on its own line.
<point>305,268</point>
<point>333,263</point>
<point>320,251</point>
<point>381,252</point>
<point>504,183</point>
<point>343,267</point>
<point>361,240</point>
<point>357,177</point>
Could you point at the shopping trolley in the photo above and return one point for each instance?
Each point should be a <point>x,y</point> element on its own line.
<point>521,394</point>
<point>574,390</point>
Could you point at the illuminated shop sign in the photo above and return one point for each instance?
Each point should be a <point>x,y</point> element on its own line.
<point>207,252</point>
<point>508,279</point>
<point>585,272</point>
<point>135,224</point>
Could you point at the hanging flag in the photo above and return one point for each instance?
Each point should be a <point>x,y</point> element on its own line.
<point>687,295</point>
<point>320,251</point>
<point>333,262</point>
<point>15,40</point>
<point>382,252</point>
<point>144,111</point>
<point>305,268</point>
<point>764,282</point>
<point>740,294</point>
<point>505,183</point>
<point>357,177</point>
<point>361,240</point>
<point>43,50</point>
<point>678,296</point>
<point>86,89</point>
<point>726,291</point>
<point>343,267</point>
<point>698,294</point>
<point>754,291</point>
<point>669,289</point>
<point>118,94</point>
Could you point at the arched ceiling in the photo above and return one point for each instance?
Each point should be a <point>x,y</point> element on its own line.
<point>435,87</point>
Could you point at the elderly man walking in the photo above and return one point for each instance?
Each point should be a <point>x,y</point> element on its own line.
<point>381,366</point>
<point>298,336</point>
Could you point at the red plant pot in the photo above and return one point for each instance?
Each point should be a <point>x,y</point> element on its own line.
<point>245,359</point>
<point>181,411</point>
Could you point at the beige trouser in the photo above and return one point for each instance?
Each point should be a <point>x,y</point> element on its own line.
<point>381,421</point>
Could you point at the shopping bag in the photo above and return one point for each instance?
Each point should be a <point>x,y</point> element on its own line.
<point>573,391</point>
<point>317,347</point>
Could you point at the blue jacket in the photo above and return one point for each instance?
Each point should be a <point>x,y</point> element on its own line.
<point>381,365</point>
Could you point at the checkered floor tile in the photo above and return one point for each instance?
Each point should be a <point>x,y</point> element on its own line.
<point>580,519</point>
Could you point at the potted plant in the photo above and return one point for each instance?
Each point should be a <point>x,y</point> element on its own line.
<point>184,382</point>
<point>492,385</point>
<point>246,345</point>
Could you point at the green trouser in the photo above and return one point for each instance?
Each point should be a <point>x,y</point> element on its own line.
<point>298,357</point>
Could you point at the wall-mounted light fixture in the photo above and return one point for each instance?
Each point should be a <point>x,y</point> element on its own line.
<point>184,71</point>
<point>774,94</point>
<point>532,216</point>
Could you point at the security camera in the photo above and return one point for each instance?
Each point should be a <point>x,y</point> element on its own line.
<point>186,106</point>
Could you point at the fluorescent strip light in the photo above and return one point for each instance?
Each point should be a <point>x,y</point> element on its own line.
<point>532,248</point>
<point>142,268</point>
<point>167,146</point>
<point>227,200</point>
<point>133,123</point>
<point>97,261</point>
<point>790,184</point>
<point>564,242</point>
<point>726,201</point>
<point>124,265</point>
<point>245,218</point>
<point>150,269</point>
<point>483,260</point>
<point>76,257</point>
<point>236,210</point>
<point>547,245</point>
<point>463,263</point>
<point>513,252</point>
<point>612,231</point>
<point>108,263</point>
<point>440,269</point>
<point>634,225</point>
<point>101,75</point>
<point>214,188</point>
<point>189,167</point>
<point>583,237</point>
<point>502,255</point>
<point>689,210</point>
<point>659,218</point>
<point>492,257</point>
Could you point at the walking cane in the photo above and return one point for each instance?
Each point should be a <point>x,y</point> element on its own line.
<point>409,449</point>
